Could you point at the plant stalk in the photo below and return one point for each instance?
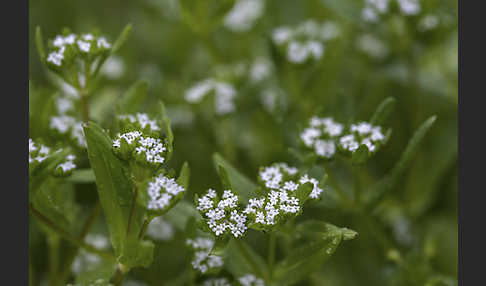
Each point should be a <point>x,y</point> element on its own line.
<point>272,245</point>
<point>67,236</point>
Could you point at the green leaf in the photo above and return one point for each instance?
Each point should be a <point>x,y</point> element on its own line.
<point>40,173</point>
<point>184,176</point>
<point>39,42</point>
<point>223,175</point>
<point>167,129</point>
<point>114,188</point>
<point>99,275</point>
<point>324,229</point>
<point>132,100</point>
<point>243,186</point>
<point>384,186</point>
<point>82,176</point>
<point>306,259</point>
<point>137,253</point>
<point>242,259</point>
<point>121,39</point>
<point>383,111</point>
<point>303,192</point>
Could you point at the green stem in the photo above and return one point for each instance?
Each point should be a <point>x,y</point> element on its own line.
<point>72,255</point>
<point>53,247</point>
<point>67,236</point>
<point>345,200</point>
<point>84,104</point>
<point>145,225</point>
<point>272,245</point>
<point>119,275</point>
<point>132,210</point>
<point>247,256</point>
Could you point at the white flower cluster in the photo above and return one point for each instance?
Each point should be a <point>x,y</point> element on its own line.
<point>203,261</point>
<point>362,133</point>
<point>321,135</point>
<point>224,95</point>
<point>374,8</point>
<point>86,261</point>
<point>222,215</point>
<point>216,282</point>
<point>38,152</point>
<point>306,41</point>
<point>163,192</point>
<point>67,124</point>
<point>141,121</point>
<point>145,149</point>
<point>67,165</point>
<point>85,44</point>
<point>250,280</point>
<point>160,229</point>
<point>372,46</point>
<point>244,14</point>
<point>281,181</point>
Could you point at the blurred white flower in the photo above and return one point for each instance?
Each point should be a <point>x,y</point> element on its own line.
<point>244,14</point>
<point>160,229</point>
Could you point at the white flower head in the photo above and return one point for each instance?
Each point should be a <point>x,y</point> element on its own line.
<point>144,149</point>
<point>163,193</point>
<point>250,280</point>
<point>216,282</point>
<point>141,121</point>
<point>281,200</point>
<point>202,260</point>
<point>160,229</point>
<point>320,136</point>
<point>222,215</point>
<point>244,14</point>
<point>305,41</point>
<point>224,94</point>
<point>68,125</point>
<point>362,133</point>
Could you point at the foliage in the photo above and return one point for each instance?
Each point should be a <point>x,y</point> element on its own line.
<point>247,142</point>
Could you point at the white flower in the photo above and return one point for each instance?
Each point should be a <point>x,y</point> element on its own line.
<point>55,58</point>
<point>320,136</point>
<point>113,67</point>
<point>362,133</point>
<point>202,260</point>
<point>222,215</point>
<point>348,142</point>
<point>243,15</point>
<point>67,165</point>
<point>162,191</point>
<point>316,191</point>
<point>142,120</point>
<point>372,46</point>
<point>250,280</point>
<point>66,124</point>
<point>281,35</point>
<point>224,95</point>
<point>216,282</point>
<point>260,70</point>
<point>160,229</point>
<point>64,104</point>
<point>409,7</point>
<point>428,22</point>
<point>97,240</point>
<point>103,43</point>
<point>84,46</point>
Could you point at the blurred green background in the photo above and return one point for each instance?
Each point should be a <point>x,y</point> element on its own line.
<point>415,66</point>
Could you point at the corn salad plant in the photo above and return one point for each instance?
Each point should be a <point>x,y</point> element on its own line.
<point>245,143</point>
